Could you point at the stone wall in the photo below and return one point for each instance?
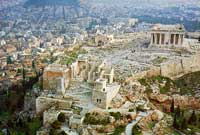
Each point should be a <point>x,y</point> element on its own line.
<point>99,98</point>
<point>44,103</point>
<point>171,69</point>
<point>102,98</point>
<point>175,69</point>
<point>49,117</point>
<point>112,91</point>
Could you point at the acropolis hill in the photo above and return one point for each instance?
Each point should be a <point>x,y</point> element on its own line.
<point>110,85</point>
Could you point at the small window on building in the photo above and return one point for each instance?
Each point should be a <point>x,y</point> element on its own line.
<point>104,89</point>
<point>98,100</point>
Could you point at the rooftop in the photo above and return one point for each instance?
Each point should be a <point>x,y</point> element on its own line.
<point>56,68</point>
<point>161,27</point>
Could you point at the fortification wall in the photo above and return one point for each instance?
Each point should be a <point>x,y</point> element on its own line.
<point>171,69</point>
<point>112,92</point>
<point>44,103</point>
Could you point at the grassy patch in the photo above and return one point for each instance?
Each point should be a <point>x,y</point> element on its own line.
<point>184,85</point>
<point>71,57</point>
<point>143,82</point>
<point>96,119</point>
<point>147,84</point>
<point>188,83</point>
<point>166,88</point>
<point>159,60</point>
<point>34,125</point>
<point>193,130</point>
<point>136,131</point>
<point>152,124</point>
<point>116,115</point>
<point>175,133</point>
<point>30,127</point>
<point>5,115</point>
<point>158,80</point>
<point>118,130</point>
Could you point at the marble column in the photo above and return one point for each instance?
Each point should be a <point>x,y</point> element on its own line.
<point>179,39</point>
<point>160,42</point>
<point>174,39</point>
<point>155,35</point>
<point>152,38</point>
<point>163,39</point>
<point>171,39</point>
<point>182,38</point>
<point>167,38</point>
<point>158,39</point>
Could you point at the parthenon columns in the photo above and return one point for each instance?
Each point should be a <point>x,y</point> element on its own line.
<point>152,39</point>
<point>160,39</point>
<point>164,39</point>
<point>179,39</point>
<point>174,37</point>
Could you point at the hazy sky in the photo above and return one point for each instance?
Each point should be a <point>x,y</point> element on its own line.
<point>128,3</point>
<point>163,2</point>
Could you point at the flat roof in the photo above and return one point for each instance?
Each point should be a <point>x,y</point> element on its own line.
<point>162,27</point>
<point>56,68</point>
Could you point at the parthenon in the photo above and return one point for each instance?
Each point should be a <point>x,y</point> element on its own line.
<point>167,34</point>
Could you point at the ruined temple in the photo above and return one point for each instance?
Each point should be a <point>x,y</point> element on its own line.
<point>67,81</point>
<point>167,35</point>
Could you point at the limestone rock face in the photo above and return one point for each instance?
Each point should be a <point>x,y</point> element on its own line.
<point>159,97</point>
<point>160,128</point>
<point>155,116</point>
<point>112,119</point>
<point>117,101</point>
<point>85,132</point>
<point>182,101</point>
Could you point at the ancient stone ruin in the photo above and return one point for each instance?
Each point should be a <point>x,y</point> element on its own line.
<point>167,35</point>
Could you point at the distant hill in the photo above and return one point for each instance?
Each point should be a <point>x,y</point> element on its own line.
<point>73,3</point>
<point>9,3</point>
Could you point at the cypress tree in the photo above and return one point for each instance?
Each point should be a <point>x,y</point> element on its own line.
<point>178,111</point>
<point>193,118</point>
<point>175,122</point>
<point>184,123</point>
<point>182,113</point>
<point>9,60</point>
<point>172,106</point>
<point>23,74</point>
<point>33,64</point>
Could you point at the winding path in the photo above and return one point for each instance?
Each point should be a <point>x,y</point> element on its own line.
<point>129,127</point>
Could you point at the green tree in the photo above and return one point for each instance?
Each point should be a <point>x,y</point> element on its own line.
<point>33,64</point>
<point>184,123</point>
<point>56,125</point>
<point>24,74</point>
<point>178,111</point>
<point>61,117</point>
<point>9,60</point>
<point>182,113</point>
<point>172,106</point>
<point>193,118</point>
<point>175,124</point>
